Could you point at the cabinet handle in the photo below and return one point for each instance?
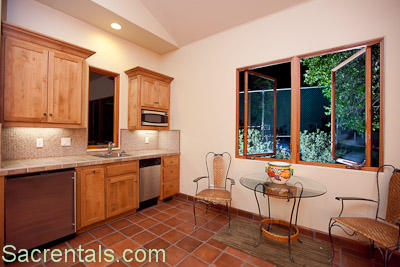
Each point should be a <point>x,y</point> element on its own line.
<point>51,114</point>
<point>94,171</point>
<point>44,114</point>
<point>156,103</point>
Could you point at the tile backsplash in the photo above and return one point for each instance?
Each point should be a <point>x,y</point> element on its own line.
<point>20,142</point>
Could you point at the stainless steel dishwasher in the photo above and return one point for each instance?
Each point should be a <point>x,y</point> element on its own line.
<point>149,178</point>
<point>39,208</point>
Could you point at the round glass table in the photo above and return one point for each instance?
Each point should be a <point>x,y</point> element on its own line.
<point>295,189</point>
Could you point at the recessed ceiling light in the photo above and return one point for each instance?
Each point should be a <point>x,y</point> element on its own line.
<point>116,26</point>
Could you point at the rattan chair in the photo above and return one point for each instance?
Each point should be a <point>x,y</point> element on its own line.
<point>383,234</point>
<point>217,176</point>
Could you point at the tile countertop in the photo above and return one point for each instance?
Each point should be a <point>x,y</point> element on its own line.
<point>15,167</point>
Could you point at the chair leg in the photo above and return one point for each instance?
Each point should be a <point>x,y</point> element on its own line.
<point>194,212</point>
<point>229,214</point>
<point>330,238</point>
<point>227,209</point>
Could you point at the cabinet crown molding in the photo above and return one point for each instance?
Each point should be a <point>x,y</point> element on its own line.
<point>12,30</point>
<point>149,73</point>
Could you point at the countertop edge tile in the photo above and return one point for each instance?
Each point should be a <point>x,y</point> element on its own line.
<point>54,163</point>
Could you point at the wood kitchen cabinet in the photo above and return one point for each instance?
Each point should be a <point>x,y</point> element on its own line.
<point>170,176</point>
<point>122,188</point>
<point>148,90</point>
<point>43,84</point>
<point>105,192</point>
<point>90,195</point>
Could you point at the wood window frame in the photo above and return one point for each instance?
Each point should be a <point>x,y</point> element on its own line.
<point>295,104</point>
<point>116,105</point>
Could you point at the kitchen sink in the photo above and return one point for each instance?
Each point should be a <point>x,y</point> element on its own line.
<point>118,155</point>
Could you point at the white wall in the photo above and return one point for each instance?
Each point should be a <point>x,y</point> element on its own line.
<point>203,96</point>
<point>112,53</point>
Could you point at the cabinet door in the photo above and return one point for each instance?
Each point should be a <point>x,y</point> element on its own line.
<point>149,92</point>
<point>92,196</point>
<point>65,88</point>
<point>122,194</point>
<point>25,81</point>
<point>163,95</point>
<point>170,189</point>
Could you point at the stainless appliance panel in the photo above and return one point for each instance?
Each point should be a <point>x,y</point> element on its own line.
<point>39,208</point>
<point>149,181</point>
<point>154,118</point>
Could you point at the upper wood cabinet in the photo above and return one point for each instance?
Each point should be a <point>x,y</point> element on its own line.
<point>43,81</point>
<point>148,90</point>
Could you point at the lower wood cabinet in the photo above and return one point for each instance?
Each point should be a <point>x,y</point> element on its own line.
<point>169,176</point>
<point>91,195</point>
<point>105,191</point>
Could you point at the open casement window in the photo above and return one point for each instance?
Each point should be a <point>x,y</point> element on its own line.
<point>259,114</point>
<point>353,109</point>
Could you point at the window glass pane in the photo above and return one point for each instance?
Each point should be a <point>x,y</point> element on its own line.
<point>241,114</point>
<point>261,116</point>
<point>350,110</point>
<point>101,109</point>
<point>375,105</point>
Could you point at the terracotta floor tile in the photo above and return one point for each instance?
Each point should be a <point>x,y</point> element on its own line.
<point>207,253</point>
<point>173,236</point>
<point>202,234</point>
<point>131,260</point>
<point>172,211</point>
<point>131,230</point>
<point>161,216</point>
<point>147,223</point>
<point>217,244</point>
<point>185,227</point>
<point>117,264</point>
<point>112,239</point>
<point>157,243</point>
<point>155,264</point>
<point>185,215</point>
<point>184,206</point>
<point>102,231</point>
<point>173,222</point>
<point>162,207</point>
<point>120,224</point>
<point>222,219</point>
<point>136,217</point>
<point>192,262</point>
<point>173,202</point>
<point>159,229</point>
<point>104,260</point>
<point>149,212</point>
<point>122,247</point>
<point>189,244</point>
<point>81,239</point>
<point>212,226</point>
<point>67,260</point>
<point>226,260</point>
<point>89,249</point>
<point>24,264</point>
<point>199,221</point>
<point>237,253</point>
<point>260,262</point>
<point>143,237</point>
<point>173,255</point>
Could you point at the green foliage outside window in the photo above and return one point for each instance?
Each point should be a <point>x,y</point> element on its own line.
<point>316,146</point>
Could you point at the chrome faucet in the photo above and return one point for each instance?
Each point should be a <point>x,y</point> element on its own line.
<point>110,146</point>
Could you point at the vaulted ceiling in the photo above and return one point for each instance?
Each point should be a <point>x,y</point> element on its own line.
<point>165,25</point>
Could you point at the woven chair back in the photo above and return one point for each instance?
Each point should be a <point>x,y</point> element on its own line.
<point>217,168</point>
<point>393,206</point>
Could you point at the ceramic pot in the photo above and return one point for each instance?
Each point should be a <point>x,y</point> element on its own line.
<point>279,172</point>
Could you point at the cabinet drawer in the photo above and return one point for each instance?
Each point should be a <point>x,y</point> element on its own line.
<point>170,188</point>
<point>171,173</point>
<point>121,168</point>
<point>169,161</point>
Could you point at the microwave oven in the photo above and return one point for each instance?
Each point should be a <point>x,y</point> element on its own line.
<point>154,118</point>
